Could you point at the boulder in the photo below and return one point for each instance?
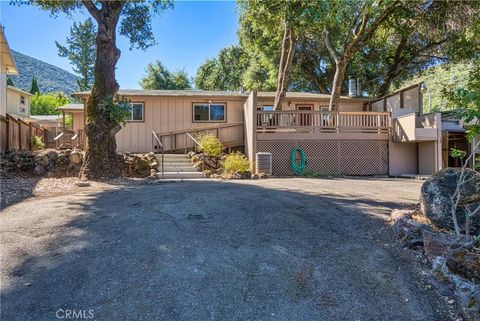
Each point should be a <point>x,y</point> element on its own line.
<point>436,194</point>
<point>464,262</point>
<point>190,154</point>
<point>76,157</point>
<point>255,176</point>
<point>465,292</point>
<point>39,169</point>
<point>207,173</point>
<point>41,160</point>
<point>409,232</point>
<point>52,155</point>
<point>262,175</point>
<point>437,244</point>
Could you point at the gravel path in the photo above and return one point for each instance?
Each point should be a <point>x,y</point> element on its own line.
<point>275,249</point>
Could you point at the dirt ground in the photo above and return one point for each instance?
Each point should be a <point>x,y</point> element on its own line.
<point>274,249</point>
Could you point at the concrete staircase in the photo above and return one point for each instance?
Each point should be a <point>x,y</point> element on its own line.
<point>177,166</point>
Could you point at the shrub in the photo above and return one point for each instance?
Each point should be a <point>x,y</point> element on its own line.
<point>235,162</point>
<point>210,145</point>
<point>37,143</point>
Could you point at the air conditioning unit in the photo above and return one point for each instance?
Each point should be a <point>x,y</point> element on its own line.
<point>263,163</point>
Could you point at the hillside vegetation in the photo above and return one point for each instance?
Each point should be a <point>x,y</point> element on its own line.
<point>437,79</point>
<point>49,78</point>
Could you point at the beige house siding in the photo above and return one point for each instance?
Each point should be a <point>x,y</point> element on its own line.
<point>166,114</point>
<point>14,105</point>
<point>291,104</point>
<point>3,94</point>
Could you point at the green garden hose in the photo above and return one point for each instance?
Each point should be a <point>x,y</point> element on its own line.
<point>298,168</point>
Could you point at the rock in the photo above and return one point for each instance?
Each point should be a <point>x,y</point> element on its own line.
<point>245,175</point>
<point>409,232</point>
<point>41,160</point>
<point>52,155</point>
<point>76,157</point>
<point>398,214</point>
<point>437,244</point>
<point>39,169</point>
<point>207,173</point>
<point>255,176</point>
<point>154,165</point>
<point>464,262</point>
<point>153,172</point>
<point>436,194</point>
<point>466,293</point>
<point>262,175</point>
<point>82,184</point>
<point>190,154</point>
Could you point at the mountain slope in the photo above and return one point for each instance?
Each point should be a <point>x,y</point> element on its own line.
<point>49,77</point>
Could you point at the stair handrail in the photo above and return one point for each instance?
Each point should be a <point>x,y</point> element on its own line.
<point>187,135</point>
<point>154,136</point>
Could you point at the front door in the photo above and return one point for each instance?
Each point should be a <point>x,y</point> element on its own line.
<point>304,119</point>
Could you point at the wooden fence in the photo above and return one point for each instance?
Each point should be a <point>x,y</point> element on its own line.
<point>18,135</point>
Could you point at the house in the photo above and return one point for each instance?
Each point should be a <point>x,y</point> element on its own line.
<point>18,102</point>
<point>7,67</point>
<point>384,136</point>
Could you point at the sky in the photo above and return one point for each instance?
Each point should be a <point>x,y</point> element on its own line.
<point>187,35</point>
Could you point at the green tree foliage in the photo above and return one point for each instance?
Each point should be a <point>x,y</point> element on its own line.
<point>47,104</point>
<point>10,82</point>
<point>80,49</point>
<point>133,20</point>
<point>415,36</point>
<point>444,77</point>
<point>34,88</point>
<point>466,101</point>
<point>224,72</point>
<point>159,77</point>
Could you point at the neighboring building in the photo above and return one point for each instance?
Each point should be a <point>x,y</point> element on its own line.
<point>384,136</point>
<point>7,67</point>
<point>48,121</point>
<point>18,102</point>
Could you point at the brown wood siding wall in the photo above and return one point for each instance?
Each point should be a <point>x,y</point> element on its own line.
<point>168,114</point>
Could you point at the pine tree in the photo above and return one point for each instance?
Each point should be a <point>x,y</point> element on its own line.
<point>34,88</point>
<point>10,82</point>
<point>80,49</point>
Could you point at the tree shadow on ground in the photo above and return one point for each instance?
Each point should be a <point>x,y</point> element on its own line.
<point>209,250</point>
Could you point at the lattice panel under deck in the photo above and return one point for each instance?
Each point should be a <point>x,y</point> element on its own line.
<point>331,157</point>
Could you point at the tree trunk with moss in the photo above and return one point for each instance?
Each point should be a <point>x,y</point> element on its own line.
<point>101,159</point>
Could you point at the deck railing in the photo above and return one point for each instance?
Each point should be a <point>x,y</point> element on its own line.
<point>323,121</point>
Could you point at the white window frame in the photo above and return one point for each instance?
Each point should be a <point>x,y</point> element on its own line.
<point>131,112</point>
<point>224,120</point>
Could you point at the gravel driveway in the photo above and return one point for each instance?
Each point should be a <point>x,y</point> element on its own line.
<point>275,249</point>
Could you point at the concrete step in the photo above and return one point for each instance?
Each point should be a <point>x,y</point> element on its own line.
<point>171,156</point>
<point>178,168</point>
<point>180,175</point>
<point>175,163</point>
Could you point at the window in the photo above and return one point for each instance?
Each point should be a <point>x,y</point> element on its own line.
<point>137,112</point>
<point>204,112</point>
<point>22,100</point>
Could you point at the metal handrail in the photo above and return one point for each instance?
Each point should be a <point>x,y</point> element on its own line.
<point>154,136</point>
<point>187,135</point>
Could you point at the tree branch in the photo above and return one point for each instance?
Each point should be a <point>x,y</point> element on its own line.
<point>92,9</point>
<point>328,44</point>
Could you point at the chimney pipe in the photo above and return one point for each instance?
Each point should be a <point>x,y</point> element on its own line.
<point>352,86</point>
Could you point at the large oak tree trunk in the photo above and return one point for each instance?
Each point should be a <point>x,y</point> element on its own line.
<point>340,67</point>
<point>286,59</point>
<point>101,159</point>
